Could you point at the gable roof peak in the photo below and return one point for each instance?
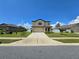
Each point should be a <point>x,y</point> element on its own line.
<point>40,19</point>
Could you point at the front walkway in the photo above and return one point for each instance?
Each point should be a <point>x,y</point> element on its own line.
<point>36,38</point>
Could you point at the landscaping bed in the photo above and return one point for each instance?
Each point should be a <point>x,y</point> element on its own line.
<point>3,41</point>
<point>67,40</point>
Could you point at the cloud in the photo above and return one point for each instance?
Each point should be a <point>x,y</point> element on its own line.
<point>75,20</point>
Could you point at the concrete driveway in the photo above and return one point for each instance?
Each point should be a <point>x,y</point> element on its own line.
<point>36,38</point>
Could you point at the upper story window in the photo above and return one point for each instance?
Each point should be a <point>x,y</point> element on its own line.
<point>39,23</point>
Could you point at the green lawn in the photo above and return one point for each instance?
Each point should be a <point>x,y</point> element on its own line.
<point>19,34</point>
<point>68,40</point>
<point>3,41</point>
<point>51,34</point>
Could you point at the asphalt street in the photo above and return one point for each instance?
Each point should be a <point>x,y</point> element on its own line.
<point>39,52</point>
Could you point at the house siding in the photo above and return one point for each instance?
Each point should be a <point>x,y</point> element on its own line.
<point>36,27</point>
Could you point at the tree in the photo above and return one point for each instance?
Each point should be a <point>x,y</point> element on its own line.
<point>72,31</point>
<point>1,31</point>
<point>58,25</point>
<point>21,29</point>
<point>61,28</point>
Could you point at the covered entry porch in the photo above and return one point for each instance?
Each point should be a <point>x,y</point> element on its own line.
<point>48,29</point>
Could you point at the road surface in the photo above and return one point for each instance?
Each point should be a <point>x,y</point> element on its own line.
<point>39,52</point>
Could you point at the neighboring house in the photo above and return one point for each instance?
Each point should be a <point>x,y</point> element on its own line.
<point>75,27</point>
<point>62,28</point>
<point>71,27</point>
<point>7,28</point>
<point>41,26</point>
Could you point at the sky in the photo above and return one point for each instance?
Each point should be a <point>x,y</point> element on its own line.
<point>22,12</point>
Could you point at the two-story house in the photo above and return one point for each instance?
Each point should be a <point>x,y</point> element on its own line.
<point>41,26</point>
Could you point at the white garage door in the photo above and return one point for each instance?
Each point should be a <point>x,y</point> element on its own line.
<point>38,30</point>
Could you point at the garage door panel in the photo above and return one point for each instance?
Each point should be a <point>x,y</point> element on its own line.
<point>38,30</point>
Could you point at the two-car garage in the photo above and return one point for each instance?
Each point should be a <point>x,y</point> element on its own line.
<point>38,29</point>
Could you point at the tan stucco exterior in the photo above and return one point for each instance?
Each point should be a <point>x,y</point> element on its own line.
<point>41,26</point>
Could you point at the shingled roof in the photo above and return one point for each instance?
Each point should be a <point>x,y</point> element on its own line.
<point>40,19</point>
<point>7,25</point>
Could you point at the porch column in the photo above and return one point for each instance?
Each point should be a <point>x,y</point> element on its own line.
<point>50,30</point>
<point>47,29</point>
<point>44,29</point>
